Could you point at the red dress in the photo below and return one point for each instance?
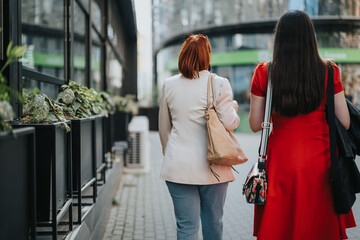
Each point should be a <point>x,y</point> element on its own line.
<point>299,203</point>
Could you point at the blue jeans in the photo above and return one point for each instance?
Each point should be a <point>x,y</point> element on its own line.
<point>192,202</point>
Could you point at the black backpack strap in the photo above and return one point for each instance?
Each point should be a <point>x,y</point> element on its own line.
<point>330,114</point>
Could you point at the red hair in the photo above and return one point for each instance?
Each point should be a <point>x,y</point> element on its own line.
<point>194,56</point>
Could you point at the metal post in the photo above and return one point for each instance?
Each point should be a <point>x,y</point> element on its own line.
<point>88,43</point>
<point>104,23</point>
<point>32,181</point>
<point>78,185</point>
<point>53,188</point>
<point>69,40</point>
<point>69,172</point>
<point>155,87</point>
<point>94,160</point>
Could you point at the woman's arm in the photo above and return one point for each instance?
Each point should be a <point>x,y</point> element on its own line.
<point>256,116</point>
<point>165,124</point>
<point>341,109</point>
<point>227,107</point>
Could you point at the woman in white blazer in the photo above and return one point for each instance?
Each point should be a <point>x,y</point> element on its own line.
<point>182,128</point>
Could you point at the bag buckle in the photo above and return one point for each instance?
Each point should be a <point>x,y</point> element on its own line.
<point>265,125</point>
<point>207,116</point>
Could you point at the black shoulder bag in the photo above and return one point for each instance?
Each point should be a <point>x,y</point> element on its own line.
<point>345,176</point>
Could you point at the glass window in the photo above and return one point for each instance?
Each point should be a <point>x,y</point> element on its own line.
<point>50,90</point>
<point>114,73</point>
<point>337,39</point>
<point>350,77</point>
<point>96,14</point>
<point>85,4</point>
<point>79,45</point>
<point>43,34</point>
<point>95,62</point>
<point>242,76</point>
<point>112,35</point>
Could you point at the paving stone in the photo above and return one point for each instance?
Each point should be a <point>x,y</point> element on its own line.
<point>145,210</point>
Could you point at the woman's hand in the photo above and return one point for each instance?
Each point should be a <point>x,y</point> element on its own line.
<point>235,105</point>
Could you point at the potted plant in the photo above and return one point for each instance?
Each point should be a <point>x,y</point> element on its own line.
<point>53,159</point>
<point>17,165</point>
<point>109,106</point>
<point>83,107</point>
<point>53,162</point>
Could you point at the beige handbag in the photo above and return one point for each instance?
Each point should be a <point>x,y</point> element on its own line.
<point>222,146</point>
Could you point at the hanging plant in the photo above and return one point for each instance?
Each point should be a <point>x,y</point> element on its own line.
<point>126,104</point>
<point>6,110</point>
<point>79,101</point>
<point>108,104</point>
<point>39,108</point>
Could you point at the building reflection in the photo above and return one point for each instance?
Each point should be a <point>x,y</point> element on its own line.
<point>235,55</point>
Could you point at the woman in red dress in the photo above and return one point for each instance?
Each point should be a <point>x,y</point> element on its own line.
<point>299,201</point>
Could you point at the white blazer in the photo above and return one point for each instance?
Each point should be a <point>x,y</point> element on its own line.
<point>182,128</point>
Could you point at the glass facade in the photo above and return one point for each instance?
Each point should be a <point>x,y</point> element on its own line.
<point>43,25</point>
<point>96,14</point>
<point>95,62</point>
<point>114,73</point>
<point>43,34</point>
<point>79,45</point>
<point>172,17</point>
<point>236,56</point>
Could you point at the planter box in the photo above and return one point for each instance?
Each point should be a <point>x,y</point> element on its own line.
<point>120,126</point>
<point>53,152</point>
<point>153,115</point>
<point>83,153</point>
<point>17,184</point>
<point>108,133</point>
<point>98,129</point>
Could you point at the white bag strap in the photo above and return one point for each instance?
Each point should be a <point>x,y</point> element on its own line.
<point>266,125</point>
<point>211,83</point>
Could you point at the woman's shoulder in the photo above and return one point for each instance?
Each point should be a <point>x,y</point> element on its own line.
<point>260,72</point>
<point>261,68</point>
<point>220,82</point>
<point>220,78</point>
<point>332,63</point>
<point>173,79</point>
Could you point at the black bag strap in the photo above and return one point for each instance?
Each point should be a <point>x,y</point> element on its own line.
<point>330,114</point>
<point>266,123</point>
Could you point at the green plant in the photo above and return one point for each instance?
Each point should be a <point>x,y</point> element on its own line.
<point>39,108</point>
<point>107,102</point>
<point>79,101</point>
<point>126,104</point>
<point>6,110</point>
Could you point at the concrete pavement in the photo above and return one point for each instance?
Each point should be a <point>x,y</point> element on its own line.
<point>145,210</point>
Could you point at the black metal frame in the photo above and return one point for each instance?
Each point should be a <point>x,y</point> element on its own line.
<point>67,206</point>
<point>102,168</point>
<point>1,32</point>
<point>32,176</point>
<point>56,217</point>
<point>78,192</point>
<point>69,40</point>
<point>41,77</point>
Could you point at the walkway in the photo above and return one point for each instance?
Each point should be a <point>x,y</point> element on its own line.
<point>145,212</point>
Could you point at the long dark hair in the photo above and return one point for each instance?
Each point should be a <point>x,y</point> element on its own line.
<point>298,72</point>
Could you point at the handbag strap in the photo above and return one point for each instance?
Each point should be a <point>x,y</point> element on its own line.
<point>211,83</point>
<point>266,123</point>
<point>330,115</point>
